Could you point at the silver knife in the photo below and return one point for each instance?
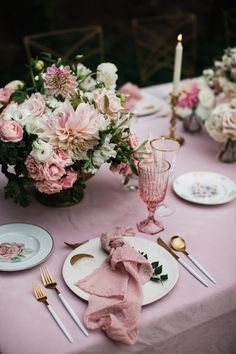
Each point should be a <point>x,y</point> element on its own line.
<point>185,265</point>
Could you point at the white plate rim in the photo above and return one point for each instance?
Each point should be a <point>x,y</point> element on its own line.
<point>204,202</point>
<point>147,95</point>
<point>32,264</point>
<point>81,249</point>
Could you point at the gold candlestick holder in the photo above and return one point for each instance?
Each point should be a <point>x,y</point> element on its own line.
<point>172,128</point>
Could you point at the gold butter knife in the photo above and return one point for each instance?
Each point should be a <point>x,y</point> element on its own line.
<point>75,245</point>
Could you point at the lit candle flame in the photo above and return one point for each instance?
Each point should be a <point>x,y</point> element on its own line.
<point>179,38</point>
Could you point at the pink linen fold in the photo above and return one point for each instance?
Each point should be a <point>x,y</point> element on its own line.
<point>132,93</point>
<point>116,289</point>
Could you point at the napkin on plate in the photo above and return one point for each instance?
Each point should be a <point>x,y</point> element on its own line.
<point>133,95</point>
<point>116,289</point>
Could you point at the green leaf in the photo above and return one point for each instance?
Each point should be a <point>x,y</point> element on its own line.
<point>158,270</point>
<point>164,277</point>
<point>155,264</point>
<point>155,279</point>
<point>27,251</point>
<point>16,259</point>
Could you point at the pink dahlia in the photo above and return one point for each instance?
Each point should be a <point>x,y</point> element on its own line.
<point>73,131</point>
<point>189,96</point>
<point>59,81</point>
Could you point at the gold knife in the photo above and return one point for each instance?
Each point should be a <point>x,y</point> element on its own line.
<point>185,265</point>
<point>75,245</point>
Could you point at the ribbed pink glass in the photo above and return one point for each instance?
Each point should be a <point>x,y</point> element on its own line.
<point>153,181</point>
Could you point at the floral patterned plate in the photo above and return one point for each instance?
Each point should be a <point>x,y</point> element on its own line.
<point>205,188</point>
<point>23,246</point>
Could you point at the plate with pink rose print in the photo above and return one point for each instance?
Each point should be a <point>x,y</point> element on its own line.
<point>23,246</point>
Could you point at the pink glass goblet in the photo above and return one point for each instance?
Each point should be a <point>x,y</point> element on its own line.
<point>153,181</point>
<point>165,149</point>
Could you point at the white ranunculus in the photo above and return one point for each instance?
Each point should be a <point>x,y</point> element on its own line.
<point>41,152</point>
<point>202,112</point>
<point>36,126</point>
<point>106,73</point>
<point>15,85</point>
<point>183,112</point>
<point>21,115</point>
<point>206,98</point>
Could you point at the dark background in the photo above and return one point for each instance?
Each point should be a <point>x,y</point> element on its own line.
<point>35,16</point>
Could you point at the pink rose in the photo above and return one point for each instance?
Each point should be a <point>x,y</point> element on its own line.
<point>107,103</point>
<point>35,169</point>
<point>5,94</point>
<point>229,124</point>
<point>35,104</point>
<point>10,250</point>
<point>123,169</point>
<point>63,157</point>
<point>49,187</point>
<point>68,180</point>
<point>133,139</point>
<point>11,131</point>
<point>53,169</point>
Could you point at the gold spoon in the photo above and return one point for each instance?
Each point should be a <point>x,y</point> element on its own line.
<point>179,244</point>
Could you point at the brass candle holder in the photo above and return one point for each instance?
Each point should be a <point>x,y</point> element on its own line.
<point>172,128</point>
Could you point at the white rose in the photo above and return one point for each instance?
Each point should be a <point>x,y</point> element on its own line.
<point>106,72</point>
<point>206,98</point>
<point>15,85</point>
<point>41,152</point>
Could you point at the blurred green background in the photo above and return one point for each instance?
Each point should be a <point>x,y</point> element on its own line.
<point>35,16</point>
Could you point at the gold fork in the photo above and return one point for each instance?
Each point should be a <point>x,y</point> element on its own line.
<point>50,282</point>
<point>42,297</point>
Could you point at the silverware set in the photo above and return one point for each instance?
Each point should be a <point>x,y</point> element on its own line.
<point>178,244</point>
<point>50,283</point>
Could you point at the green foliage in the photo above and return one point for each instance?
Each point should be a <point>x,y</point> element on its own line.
<point>157,270</point>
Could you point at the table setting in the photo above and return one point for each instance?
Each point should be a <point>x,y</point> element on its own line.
<point>88,266</point>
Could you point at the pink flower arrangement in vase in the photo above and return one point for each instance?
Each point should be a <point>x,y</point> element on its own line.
<point>57,131</point>
<point>194,105</point>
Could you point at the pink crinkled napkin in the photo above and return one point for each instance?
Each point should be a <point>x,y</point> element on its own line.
<point>132,93</point>
<point>116,289</point>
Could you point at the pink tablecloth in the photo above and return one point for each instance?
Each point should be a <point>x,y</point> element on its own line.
<point>190,319</point>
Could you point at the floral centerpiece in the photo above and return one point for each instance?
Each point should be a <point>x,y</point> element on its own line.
<point>221,126</point>
<point>56,131</point>
<point>221,123</point>
<point>195,98</point>
<point>222,76</point>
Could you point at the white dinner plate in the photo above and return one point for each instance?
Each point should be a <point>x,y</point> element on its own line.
<point>150,104</point>
<point>27,244</point>
<point>152,291</point>
<point>205,188</point>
